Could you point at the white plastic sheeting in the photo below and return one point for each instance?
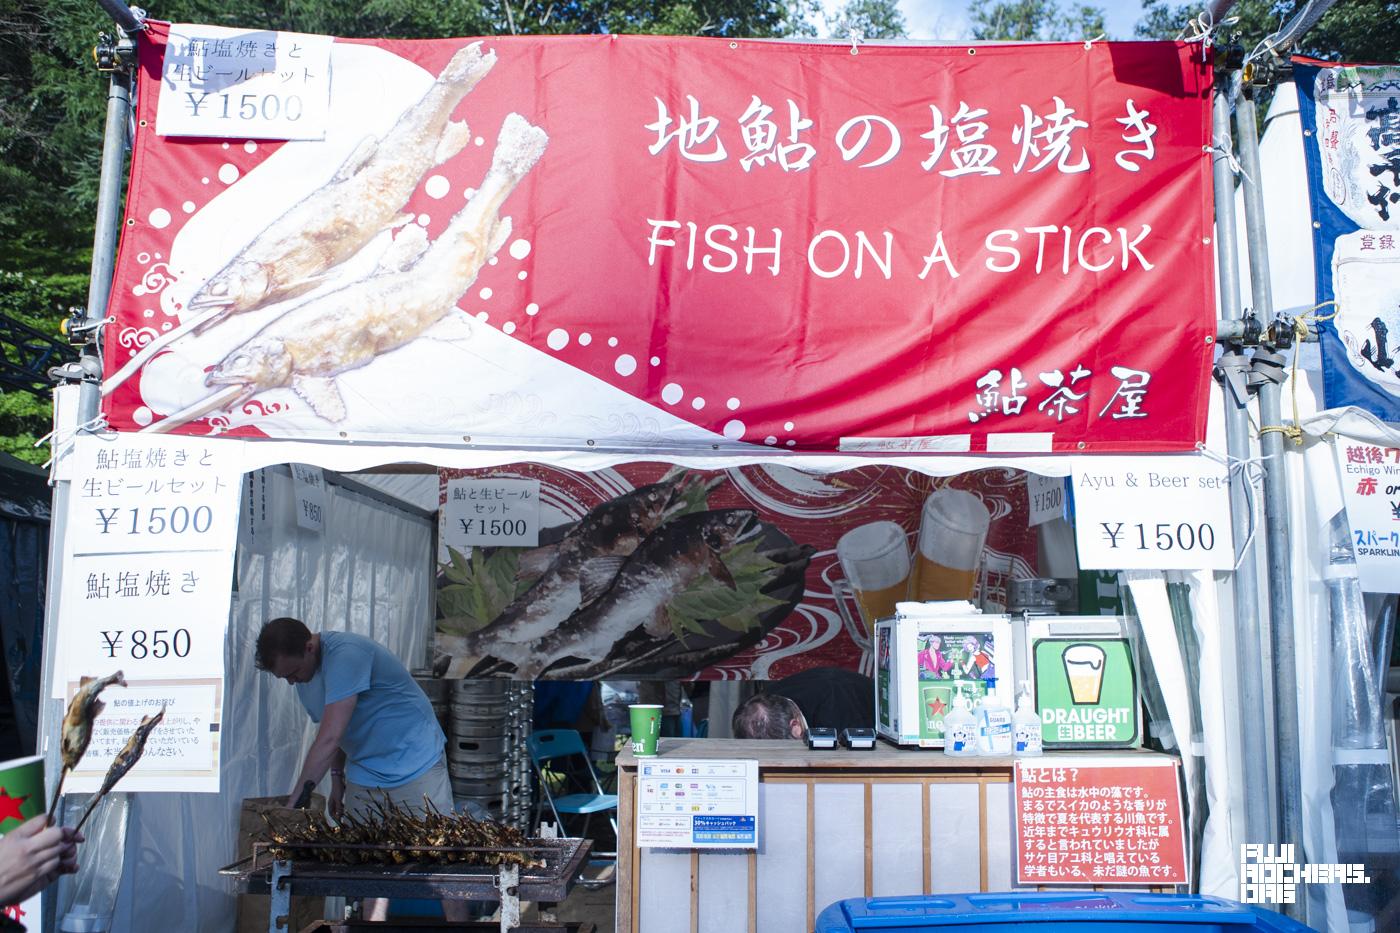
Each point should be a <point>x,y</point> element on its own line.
<point>370,572</point>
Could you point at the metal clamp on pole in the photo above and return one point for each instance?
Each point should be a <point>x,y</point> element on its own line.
<point>1246,331</point>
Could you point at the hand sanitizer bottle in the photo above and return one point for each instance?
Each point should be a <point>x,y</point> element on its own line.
<point>1026,725</point>
<point>993,727</point>
<point>960,729</point>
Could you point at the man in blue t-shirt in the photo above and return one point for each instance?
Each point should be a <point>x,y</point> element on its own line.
<point>378,735</point>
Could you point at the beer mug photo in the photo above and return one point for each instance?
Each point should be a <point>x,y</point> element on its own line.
<point>952,532</point>
<point>875,561</point>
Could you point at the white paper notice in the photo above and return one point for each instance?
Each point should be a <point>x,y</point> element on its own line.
<point>492,512</point>
<point>1152,513</point>
<point>182,753</point>
<point>309,485</point>
<point>1047,497</point>
<point>1371,488</point>
<point>697,804</point>
<point>244,84</point>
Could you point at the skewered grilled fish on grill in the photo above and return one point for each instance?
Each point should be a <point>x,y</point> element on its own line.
<point>402,835</point>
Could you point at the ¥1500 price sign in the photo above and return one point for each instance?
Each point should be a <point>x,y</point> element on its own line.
<point>137,494</point>
<point>492,513</point>
<point>1152,513</point>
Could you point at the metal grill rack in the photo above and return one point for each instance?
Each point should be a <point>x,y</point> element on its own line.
<point>260,873</point>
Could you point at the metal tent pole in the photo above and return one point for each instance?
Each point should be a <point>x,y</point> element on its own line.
<point>1233,370</point>
<point>1268,375</point>
<point>116,56</point>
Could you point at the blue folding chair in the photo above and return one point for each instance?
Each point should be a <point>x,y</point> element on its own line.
<point>561,746</point>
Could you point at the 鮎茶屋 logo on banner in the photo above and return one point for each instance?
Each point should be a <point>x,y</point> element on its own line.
<point>478,249</point>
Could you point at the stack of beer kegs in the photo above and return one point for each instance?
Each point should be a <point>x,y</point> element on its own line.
<point>436,690</point>
<point>476,743</point>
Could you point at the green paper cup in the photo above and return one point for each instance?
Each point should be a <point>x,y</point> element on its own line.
<point>646,728</point>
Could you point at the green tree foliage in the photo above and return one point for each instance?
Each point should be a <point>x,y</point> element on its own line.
<point>873,19</point>
<point>1034,21</point>
<point>1352,30</point>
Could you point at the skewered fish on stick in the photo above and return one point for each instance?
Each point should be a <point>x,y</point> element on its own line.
<point>292,254</point>
<point>83,709</point>
<point>306,348</point>
<point>124,761</point>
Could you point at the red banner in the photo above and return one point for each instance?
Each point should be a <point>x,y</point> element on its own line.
<point>710,243</point>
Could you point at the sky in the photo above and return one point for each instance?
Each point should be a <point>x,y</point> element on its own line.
<point>947,19</point>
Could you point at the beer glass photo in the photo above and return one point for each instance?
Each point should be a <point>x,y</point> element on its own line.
<point>875,561</point>
<point>952,532</point>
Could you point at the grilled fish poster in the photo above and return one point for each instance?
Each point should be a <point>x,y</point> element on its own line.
<point>634,242</point>
<point>654,571</point>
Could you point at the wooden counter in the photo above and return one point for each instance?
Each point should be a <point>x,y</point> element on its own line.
<point>833,824</point>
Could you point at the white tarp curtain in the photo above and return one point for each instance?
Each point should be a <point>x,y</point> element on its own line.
<point>370,572</point>
<point>1206,748</point>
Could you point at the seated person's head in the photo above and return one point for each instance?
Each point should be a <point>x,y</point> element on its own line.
<point>769,716</point>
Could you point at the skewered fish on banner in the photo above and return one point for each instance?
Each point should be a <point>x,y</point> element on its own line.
<point>309,346</point>
<point>83,709</point>
<point>292,255</point>
<point>125,760</point>
<point>393,834</point>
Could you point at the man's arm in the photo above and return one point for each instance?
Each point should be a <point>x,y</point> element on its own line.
<point>325,748</point>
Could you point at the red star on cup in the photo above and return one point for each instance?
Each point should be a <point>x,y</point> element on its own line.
<point>9,807</point>
<point>936,707</point>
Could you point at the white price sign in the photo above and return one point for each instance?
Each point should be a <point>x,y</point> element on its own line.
<point>309,486</point>
<point>182,753</point>
<point>133,493</point>
<point>1047,497</point>
<point>244,84</point>
<point>492,512</point>
<point>1152,513</point>
<point>150,615</point>
<point>1371,488</point>
<point>697,804</point>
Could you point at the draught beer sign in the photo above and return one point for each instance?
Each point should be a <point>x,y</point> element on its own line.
<point>637,242</point>
<point>1086,692</point>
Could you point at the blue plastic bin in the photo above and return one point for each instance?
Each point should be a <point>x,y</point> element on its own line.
<point>1056,912</point>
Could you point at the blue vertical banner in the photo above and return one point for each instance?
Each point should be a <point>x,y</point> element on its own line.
<point>1351,135</point>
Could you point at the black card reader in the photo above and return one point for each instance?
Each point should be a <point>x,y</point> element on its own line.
<point>858,738</point>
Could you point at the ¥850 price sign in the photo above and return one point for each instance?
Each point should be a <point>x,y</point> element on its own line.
<point>1152,513</point>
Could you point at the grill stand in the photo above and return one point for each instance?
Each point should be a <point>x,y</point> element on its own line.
<point>283,878</point>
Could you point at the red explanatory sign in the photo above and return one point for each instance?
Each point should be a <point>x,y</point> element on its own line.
<point>1099,823</point>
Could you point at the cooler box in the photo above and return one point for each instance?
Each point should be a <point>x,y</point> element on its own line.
<point>1058,912</point>
<point>925,658</point>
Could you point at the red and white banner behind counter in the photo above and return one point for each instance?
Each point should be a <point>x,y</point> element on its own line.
<point>722,244</point>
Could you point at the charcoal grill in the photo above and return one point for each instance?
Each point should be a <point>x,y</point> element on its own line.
<point>261,873</point>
